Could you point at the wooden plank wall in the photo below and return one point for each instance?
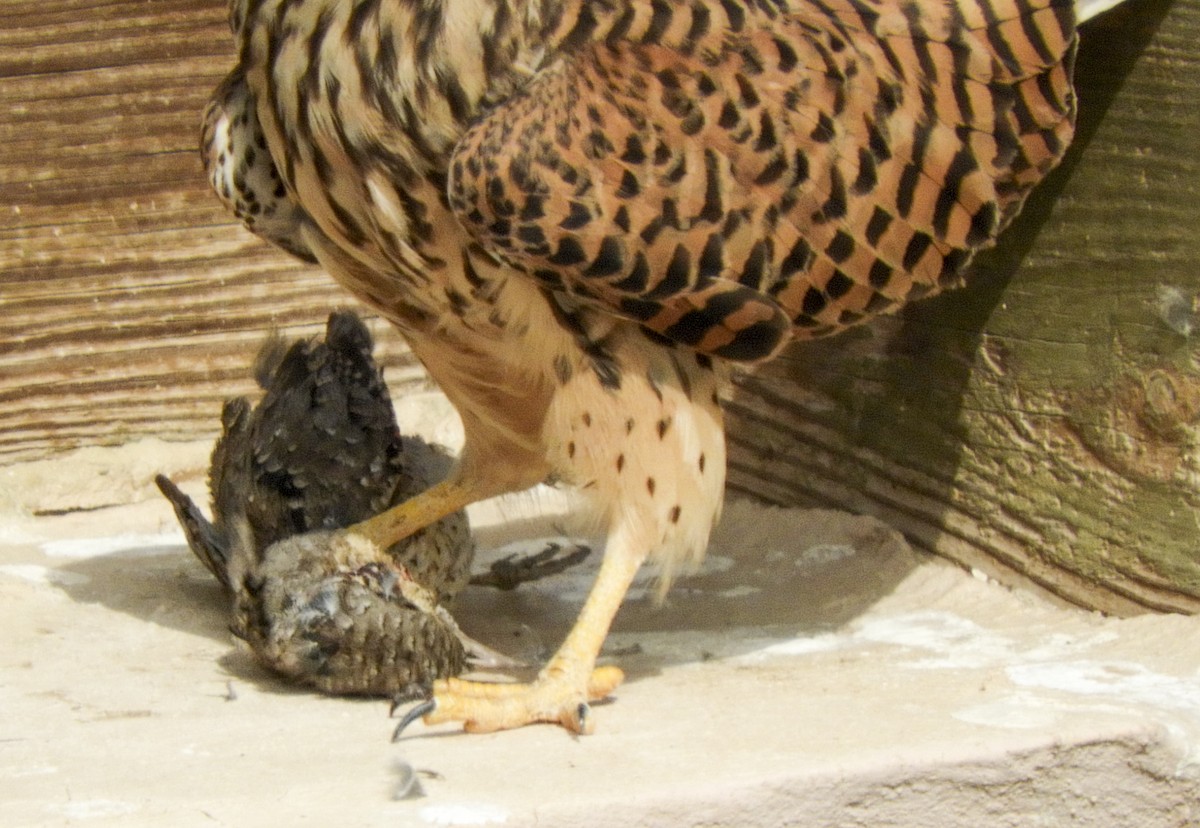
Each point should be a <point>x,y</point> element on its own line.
<point>130,302</point>
<point>1043,424</point>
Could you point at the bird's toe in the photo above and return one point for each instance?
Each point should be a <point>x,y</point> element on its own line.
<point>483,707</point>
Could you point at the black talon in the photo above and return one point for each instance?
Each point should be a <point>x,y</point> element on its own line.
<point>423,709</point>
<point>413,691</point>
<point>581,714</point>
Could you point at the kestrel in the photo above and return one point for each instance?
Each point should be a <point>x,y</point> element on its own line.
<point>578,213</point>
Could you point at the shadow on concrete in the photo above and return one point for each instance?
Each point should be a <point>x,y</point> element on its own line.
<point>771,576</point>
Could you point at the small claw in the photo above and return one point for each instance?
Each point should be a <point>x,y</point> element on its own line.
<point>423,709</point>
<point>414,691</point>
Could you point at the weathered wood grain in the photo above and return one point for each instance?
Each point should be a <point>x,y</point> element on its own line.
<point>1041,424</point>
<point>130,302</point>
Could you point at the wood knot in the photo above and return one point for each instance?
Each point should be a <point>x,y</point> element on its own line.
<point>1146,425</point>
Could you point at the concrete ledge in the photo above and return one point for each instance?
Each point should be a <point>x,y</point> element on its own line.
<point>815,672</point>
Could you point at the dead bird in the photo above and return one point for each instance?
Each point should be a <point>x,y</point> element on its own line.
<point>320,451</point>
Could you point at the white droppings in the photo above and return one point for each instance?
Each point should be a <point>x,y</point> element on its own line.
<point>714,564</point>
<point>1052,681</point>
<point>15,535</point>
<point>824,553</point>
<point>132,545</point>
<point>823,643</point>
<point>956,641</point>
<point>1126,681</point>
<point>774,556</point>
<point>1058,646</point>
<point>1124,687</point>
<point>35,574</point>
<point>739,591</point>
<point>1098,687</point>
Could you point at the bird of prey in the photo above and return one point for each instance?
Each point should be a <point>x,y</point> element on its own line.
<point>318,452</point>
<point>580,213</point>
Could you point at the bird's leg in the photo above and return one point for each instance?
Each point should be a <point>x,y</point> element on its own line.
<point>428,507</point>
<point>367,541</point>
<point>364,546</point>
<point>476,477</point>
<point>562,690</point>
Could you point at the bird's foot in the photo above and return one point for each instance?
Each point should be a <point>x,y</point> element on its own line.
<point>513,570</point>
<point>557,696</point>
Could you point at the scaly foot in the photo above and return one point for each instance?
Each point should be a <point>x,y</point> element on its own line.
<point>555,697</point>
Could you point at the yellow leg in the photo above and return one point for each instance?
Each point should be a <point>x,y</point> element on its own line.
<point>367,542</point>
<point>414,514</point>
<point>562,690</point>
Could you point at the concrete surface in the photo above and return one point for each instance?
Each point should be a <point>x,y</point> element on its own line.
<point>816,672</point>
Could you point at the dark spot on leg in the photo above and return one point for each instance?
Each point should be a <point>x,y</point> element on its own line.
<point>702,463</point>
<point>676,511</point>
<point>663,426</point>
<point>571,449</point>
<point>629,426</point>
<point>650,485</point>
<point>587,419</point>
<point>620,462</point>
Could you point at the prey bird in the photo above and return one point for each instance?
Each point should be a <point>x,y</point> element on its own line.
<point>581,213</point>
<point>319,451</point>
